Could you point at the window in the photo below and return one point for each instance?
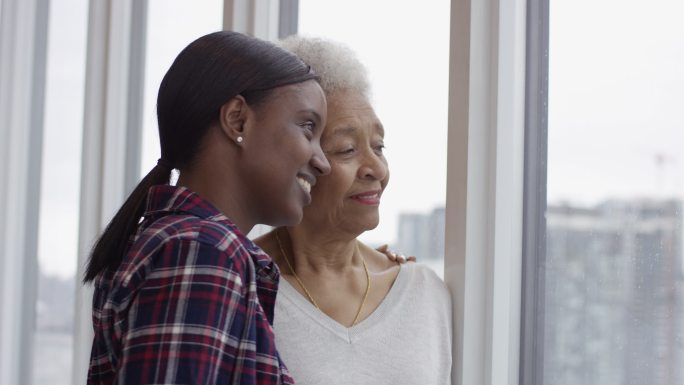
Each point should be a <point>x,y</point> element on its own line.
<point>171,26</point>
<point>59,199</point>
<point>610,294</point>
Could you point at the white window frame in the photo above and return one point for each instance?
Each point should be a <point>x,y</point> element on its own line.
<point>258,18</point>
<point>483,243</point>
<point>23,50</point>
<point>112,137</point>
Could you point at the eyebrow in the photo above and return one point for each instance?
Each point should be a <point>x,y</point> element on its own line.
<point>314,113</point>
<point>344,131</point>
<point>349,130</point>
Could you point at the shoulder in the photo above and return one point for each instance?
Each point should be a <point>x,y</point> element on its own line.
<point>267,242</point>
<point>426,294</point>
<point>377,261</point>
<point>178,230</point>
<point>425,272</point>
<point>188,227</point>
<point>423,279</point>
<point>179,244</point>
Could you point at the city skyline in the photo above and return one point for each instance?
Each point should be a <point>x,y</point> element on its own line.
<point>613,301</point>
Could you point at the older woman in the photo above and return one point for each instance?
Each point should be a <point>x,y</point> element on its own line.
<point>344,313</point>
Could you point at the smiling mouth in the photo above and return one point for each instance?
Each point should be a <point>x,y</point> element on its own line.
<point>304,184</point>
<point>368,198</point>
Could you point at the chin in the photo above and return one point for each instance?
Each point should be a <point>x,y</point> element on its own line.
<point>292,220</point>
<point>369,224</point>
<point>289,217</point>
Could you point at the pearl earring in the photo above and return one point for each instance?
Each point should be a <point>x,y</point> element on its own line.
<point>239,139</point>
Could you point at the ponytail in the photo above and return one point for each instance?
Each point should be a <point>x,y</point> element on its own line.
<point>110,248</point>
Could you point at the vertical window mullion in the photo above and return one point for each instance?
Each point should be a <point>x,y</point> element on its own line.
<point>23,50</point>
<point>534,226</point>
<point>288,20</point>
<point>111,131</point>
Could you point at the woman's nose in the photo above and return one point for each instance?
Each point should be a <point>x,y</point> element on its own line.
<point>373,166</point>
<point>319,162</point>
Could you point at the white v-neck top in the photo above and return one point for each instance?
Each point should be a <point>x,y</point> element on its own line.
<point>406,340</point>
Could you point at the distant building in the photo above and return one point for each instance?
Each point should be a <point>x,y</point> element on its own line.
<point>55,304</point>
<point>421,234</point>
<point>614,293</point>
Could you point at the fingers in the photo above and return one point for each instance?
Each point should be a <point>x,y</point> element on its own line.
<point>389,253</point>
<point>394,257</point>
<point>404,259</point>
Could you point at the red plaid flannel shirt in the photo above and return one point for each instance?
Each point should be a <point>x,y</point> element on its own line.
<point>192,302</point>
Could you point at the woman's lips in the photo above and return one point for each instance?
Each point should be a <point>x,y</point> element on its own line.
<point>304,184</point>
<point>368,197</point>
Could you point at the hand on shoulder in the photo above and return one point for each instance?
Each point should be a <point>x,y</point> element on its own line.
<point>393,256</point>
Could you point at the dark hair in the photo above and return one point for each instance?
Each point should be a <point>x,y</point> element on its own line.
<point>205,75</point>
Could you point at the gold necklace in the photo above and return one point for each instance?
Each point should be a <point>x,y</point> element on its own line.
<point>308,295</point>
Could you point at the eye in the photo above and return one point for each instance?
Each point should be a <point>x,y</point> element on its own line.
<point>379,149</point>
<point>308,127</point>
<point>346,151</point>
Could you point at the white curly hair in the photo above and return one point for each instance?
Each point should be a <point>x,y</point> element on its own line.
<point>336,64</point>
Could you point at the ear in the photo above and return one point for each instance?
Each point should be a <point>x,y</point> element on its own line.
<point>232,118</point>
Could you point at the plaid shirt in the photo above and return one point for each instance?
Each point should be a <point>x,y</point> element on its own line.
<point>191,303</point>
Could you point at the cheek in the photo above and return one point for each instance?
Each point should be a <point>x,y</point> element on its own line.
<point>331,189</point>
<point>303,141</point>
<point>291,145</point>
<point>385,181</point>
<point>324,193</point>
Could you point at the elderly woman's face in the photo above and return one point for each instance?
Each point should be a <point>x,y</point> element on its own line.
<point>353,141</point>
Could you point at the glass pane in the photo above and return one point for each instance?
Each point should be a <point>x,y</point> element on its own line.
<point>60,187</point>
<point>171,25</point>
<point>614,295</point>
<point>406,50</point>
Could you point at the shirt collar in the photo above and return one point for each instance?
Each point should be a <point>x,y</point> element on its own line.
<point>166,199</point>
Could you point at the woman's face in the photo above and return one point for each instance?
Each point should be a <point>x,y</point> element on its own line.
<point>348,198</point>
<point>282,152</point>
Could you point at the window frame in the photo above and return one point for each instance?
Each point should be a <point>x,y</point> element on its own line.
<point>23,61</point>
<point>115,71</point>
<point>534,222</point>
<point>484,207</point>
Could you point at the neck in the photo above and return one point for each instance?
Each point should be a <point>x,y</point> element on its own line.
<point>202,178</point>
<point>318,252</point>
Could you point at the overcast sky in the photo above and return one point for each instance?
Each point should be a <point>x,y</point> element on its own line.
<point>616,95</point>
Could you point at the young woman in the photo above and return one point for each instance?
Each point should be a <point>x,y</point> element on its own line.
<point>181,295</point>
